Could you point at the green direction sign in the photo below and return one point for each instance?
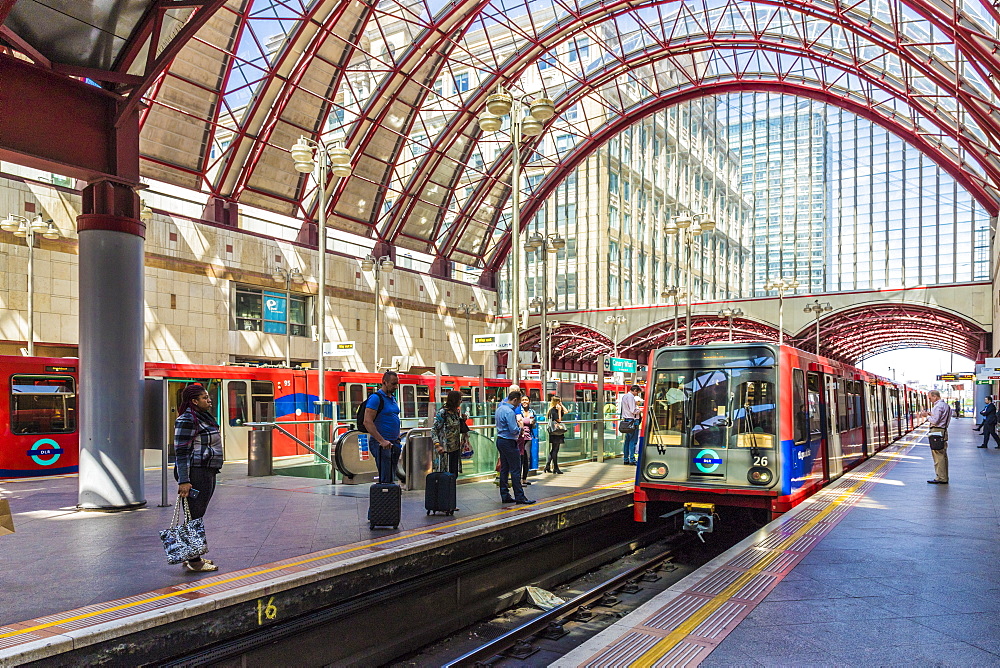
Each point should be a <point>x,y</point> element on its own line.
<point>619,365</point>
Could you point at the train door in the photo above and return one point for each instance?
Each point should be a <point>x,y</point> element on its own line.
<point>834,452</point>
<point>355,395</point>
<point>817,426</point>
<point>245,401</point>
<point>174,390</point>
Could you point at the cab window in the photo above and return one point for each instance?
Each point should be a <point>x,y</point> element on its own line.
<point>42,404</point>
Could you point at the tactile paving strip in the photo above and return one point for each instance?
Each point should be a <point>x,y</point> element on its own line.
<point>717,603</point>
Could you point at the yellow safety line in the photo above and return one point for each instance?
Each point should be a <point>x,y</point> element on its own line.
<point>325,555</point>
<point>657,651</point>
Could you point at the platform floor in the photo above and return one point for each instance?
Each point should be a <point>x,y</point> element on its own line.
<point>881,569</point>
<point>61,559</point>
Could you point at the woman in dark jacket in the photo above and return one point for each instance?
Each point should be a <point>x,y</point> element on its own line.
<point>989,424</point>
<point>197,458</point>
<point>555,418</point>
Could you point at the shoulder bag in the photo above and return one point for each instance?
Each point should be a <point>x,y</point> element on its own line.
<point>184,541</point>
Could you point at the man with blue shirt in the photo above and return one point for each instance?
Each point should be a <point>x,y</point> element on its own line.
<point>510,458</point>
<point>382,423</point>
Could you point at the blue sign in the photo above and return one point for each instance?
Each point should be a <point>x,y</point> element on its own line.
<point>707,461</point>
<point>275,312</point>
<point>39,453</point>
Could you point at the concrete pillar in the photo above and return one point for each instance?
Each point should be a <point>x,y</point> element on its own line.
<point>111,348</point>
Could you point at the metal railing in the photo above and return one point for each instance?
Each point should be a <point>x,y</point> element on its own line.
<point>278,425</point>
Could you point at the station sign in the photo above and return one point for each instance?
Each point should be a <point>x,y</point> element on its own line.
<point>341,349</point>
<point>948,376</point>
<point>988,376</point>
<point>620,365</point>
<point>486,342</point>
<point>966,376</point>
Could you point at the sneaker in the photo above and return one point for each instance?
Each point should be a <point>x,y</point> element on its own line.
<point>204,566</point>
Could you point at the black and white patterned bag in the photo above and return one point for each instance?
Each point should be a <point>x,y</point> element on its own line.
<point>184,541</point>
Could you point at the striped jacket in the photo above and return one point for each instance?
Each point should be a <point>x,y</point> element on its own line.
<point>197,442</point>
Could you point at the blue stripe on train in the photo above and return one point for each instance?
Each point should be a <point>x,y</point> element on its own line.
<point>35,473</point>
<point>287,405</point>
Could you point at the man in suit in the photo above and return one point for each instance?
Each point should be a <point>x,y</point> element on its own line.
<point>989,424</point>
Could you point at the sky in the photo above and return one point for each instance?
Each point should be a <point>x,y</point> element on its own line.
<point>921,365</point>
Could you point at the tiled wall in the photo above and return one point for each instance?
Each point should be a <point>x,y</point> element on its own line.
<point>191,268</point>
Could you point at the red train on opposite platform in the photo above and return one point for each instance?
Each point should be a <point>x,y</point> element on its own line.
<point>39,424</point>
<point>759,425</point>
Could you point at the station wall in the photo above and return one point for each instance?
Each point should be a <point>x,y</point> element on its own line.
<point>192,270</point>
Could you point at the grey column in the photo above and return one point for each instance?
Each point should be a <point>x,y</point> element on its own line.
<point>111,362</point>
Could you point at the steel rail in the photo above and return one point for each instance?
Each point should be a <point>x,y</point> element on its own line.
<point>533,626</point>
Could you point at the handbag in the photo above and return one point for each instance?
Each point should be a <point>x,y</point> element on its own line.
<point>937,441</point>
<point>627,425</point>
<point>467,451</point>
<point>557,428</point>
<point>6,518</point>
<point>184,541</point>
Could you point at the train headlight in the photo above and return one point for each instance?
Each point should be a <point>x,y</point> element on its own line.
<point>758,475</point>
<point>656,470</point>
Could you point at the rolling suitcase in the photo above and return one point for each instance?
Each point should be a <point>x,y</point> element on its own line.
<point>440,495</point>
<point>385,505</point>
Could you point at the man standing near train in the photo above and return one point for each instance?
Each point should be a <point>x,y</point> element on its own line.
<point>940,417</point>
<point>628,409</point>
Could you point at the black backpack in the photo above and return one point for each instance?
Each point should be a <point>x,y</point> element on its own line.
<point>359,414</point>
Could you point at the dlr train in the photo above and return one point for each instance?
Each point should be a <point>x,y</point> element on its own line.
<point>760,425</point>
<point>39,431</point>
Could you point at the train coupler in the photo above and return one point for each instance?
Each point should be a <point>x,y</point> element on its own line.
<point>699,517</point>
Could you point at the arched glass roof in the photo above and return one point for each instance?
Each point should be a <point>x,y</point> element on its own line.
<point>403,82</point>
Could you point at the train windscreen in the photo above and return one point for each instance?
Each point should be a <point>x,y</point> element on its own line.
<point>714,408</point>
<point>42,405</point>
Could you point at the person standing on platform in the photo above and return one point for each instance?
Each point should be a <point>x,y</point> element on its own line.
<point>510,460</point>
<point>526,420</point>
<point>628,409</point>
<point>555,420</point>
<point>938,422</point>
<point>382,423</point>
<point>989,423</point>
<point>447,434</point>
<point>198,458</point>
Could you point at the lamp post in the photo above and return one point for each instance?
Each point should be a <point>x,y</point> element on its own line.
<point>22,227</point>
<point>280,274</point>
<point>542,305</point>
<point>468,310</point>
<point>689,229</point>
<point>378,265</point>
<point>730,313</point>
<point>314,157</point>
<point>816,308</point>
<point>615,320</point>
<point>676,293</point>
<point>552,327</point>
<point>782,285</point>
<point>498,105</point>
<point>543,244</point>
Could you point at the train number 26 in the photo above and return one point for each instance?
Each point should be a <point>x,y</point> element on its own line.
<point>760,461</point>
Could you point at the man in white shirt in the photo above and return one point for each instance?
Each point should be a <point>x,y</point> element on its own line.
<point>939,419</point>
<point>628,409</point>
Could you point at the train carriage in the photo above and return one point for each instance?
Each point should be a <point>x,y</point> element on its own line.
<point>759,425</point>
<point>40,431</point>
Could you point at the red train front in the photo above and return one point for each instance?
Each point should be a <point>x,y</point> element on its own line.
<point>38,425</point>
<point>759,425</point>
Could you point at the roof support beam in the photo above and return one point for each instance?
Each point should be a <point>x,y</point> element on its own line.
<point>58,124</point>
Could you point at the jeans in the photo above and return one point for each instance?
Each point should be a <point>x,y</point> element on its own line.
<point>628,448</point>
<point>510,467</point>
<point>386,460</point>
